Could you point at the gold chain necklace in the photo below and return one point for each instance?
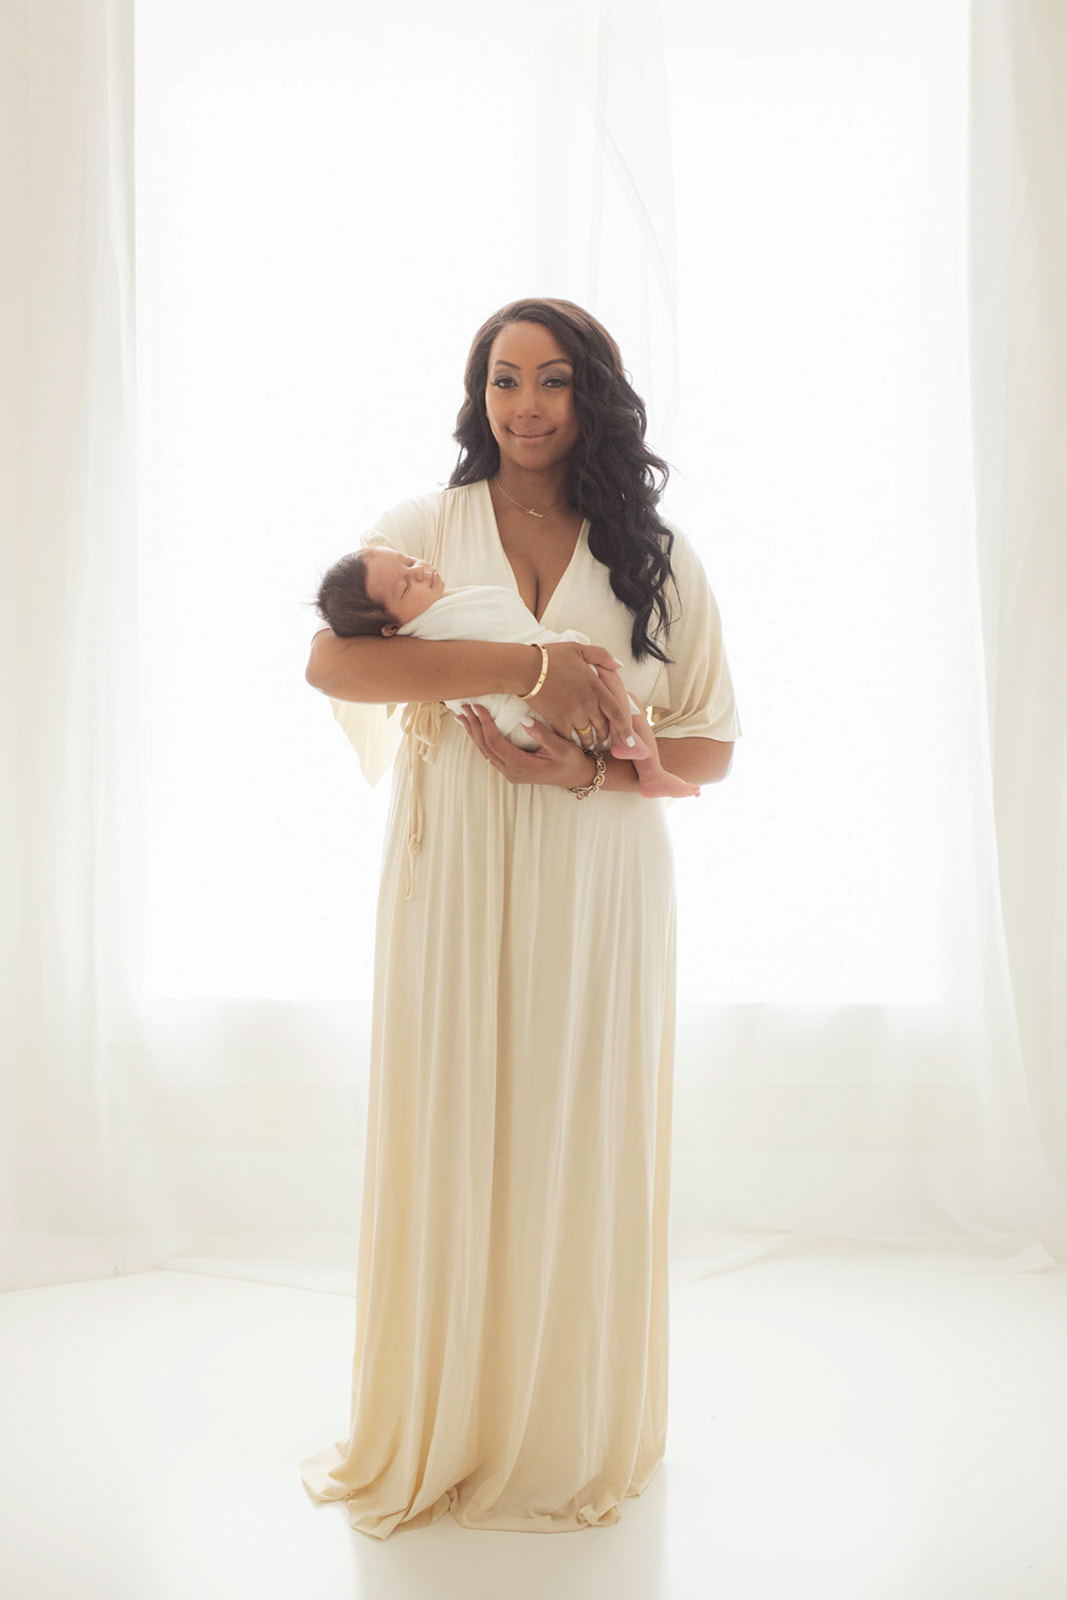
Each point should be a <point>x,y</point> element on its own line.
<point>529,509</point>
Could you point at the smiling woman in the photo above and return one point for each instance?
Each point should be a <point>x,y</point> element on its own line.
<point>529,402</point>
<point>511,1344</point>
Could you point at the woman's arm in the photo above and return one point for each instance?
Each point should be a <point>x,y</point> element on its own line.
<point>394,671</point>
<point>698,760</point>
<point>561,764</point>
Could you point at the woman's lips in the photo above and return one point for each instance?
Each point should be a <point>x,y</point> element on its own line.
<point>529,436</point>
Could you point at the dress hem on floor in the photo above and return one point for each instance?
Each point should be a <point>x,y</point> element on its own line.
<point>601,1513</point>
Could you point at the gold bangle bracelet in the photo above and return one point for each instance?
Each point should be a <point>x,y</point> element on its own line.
<point>582,792</point>
<point>544,673</point>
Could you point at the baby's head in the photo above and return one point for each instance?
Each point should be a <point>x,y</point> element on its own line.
<point>377,590</point>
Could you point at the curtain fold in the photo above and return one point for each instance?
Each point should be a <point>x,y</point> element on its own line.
<point>71,778</point>
<point>189,1132</point>
<point>1018,321</point>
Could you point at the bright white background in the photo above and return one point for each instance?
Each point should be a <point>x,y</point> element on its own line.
<point>329,201</point>
<point>805,226</point>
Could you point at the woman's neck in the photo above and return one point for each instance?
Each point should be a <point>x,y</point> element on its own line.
<point>544,489</point>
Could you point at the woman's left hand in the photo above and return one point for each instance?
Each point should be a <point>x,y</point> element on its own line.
<point>559,762</point>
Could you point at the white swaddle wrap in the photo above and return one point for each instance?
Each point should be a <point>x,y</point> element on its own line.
<point>486,611</point>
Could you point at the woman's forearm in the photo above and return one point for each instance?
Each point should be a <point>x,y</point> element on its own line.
<point>696,760</point>
<point>617,774</point>
<point>391,671</point>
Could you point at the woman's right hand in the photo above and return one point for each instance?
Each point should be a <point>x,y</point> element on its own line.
<point>582,688</point>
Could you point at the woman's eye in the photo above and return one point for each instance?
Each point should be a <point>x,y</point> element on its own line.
<point>502,383</point>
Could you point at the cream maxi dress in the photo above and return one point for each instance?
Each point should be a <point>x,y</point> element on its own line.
<point>511,1340</point>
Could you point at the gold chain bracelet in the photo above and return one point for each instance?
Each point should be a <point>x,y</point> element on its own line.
<point>583,791</point>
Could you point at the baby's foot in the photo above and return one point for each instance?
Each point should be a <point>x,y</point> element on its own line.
<point>664,785</point>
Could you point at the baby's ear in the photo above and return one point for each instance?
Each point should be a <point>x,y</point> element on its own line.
<point>389,629</point>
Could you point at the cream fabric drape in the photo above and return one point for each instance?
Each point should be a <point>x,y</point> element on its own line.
<point>72,1133</point>
<point>1018,272</point>
<point>140,1129</point>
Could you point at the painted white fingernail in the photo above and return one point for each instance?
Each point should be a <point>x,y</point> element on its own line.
<point>527,722</point>
<point>631,740</point>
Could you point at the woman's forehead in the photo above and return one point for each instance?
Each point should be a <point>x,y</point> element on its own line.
<point>526,343</point>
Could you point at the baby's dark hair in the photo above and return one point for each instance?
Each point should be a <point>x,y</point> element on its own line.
<point>344,603</point>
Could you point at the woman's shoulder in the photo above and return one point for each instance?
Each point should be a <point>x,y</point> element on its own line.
<point>680,540</point>
<point>414,520</point>
<point>411,515</point>
<point>686,563</point>
<point>692,590</point>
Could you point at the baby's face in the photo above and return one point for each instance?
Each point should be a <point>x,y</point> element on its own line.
<point>401,584</point>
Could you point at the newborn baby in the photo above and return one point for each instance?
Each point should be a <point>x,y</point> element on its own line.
<point>382,591</point>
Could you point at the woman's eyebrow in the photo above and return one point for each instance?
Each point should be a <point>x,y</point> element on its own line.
<point>555,362</point>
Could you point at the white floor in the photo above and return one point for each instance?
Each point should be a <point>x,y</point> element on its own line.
<point>839,1429</point>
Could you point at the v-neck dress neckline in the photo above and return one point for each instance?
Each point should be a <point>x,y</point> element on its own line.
<point>494,528</point>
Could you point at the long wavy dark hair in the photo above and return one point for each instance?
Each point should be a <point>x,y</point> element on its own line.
<point>612,474</point>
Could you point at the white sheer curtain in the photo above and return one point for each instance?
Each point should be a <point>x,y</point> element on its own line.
<point>1018,262</point>
<point>73,1123</point>
<point>768,205</point>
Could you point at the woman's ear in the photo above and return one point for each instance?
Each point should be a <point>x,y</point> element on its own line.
<point>389,629</point>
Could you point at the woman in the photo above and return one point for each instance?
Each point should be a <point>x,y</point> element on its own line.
<point>512,1289</point>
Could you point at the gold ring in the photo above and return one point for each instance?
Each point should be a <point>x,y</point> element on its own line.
<point>581,732</point>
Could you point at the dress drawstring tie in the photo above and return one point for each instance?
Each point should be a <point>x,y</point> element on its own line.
<point>422,725</point>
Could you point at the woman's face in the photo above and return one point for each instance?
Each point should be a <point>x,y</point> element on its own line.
<point>529,397</point>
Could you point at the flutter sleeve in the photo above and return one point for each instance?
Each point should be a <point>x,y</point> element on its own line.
<point>374,731</point>
<point>693,696</point>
